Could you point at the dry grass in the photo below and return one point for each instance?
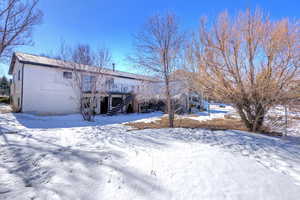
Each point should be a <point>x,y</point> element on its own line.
<point>226,123</point>
<point>5,109</point>
<point>180,122</point>
<point>295,117</point>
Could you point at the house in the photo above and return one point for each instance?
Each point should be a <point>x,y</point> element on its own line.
<point>45,85</point>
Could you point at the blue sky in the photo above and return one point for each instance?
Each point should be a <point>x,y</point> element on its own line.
<point>112,22</point>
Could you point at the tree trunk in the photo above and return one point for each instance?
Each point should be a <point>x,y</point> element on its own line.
<point>169,105</point>
<point>252,122</point>
<point>86,109</point>
<point>259,118</point>
<point>170,112</point>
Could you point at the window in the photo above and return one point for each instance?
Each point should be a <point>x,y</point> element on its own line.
<point>19,75</point>
<point>19,102</point>
<point>67,75</point>
<point>88,82</point>
<point>109,82</point>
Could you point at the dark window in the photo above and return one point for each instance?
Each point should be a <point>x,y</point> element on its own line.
<point>109,81</point>
<point>19,75</point>
<point>116,101</point>
<point>18,102</point>
<point>68,75</point>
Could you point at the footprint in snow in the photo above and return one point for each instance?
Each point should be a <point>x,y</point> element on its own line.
<point>3,191</point>
<point>153,173</point>
<point>99,162</point>
<point>245,153</point>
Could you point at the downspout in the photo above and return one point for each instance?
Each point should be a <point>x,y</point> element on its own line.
<point>21,109</point>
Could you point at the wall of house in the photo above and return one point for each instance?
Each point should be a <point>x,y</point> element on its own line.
<point>46,91</point>
<point>16,87</point>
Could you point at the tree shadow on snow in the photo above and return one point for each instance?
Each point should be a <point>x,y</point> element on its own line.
<point>32,161</point>
<point>76,120</point>
<point>279,154</point>
<point>212,111</point>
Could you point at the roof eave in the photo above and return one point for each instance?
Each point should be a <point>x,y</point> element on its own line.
<point>56,66</point>
<point>16,56</point>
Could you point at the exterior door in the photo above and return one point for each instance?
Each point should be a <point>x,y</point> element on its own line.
<point>104,105</point>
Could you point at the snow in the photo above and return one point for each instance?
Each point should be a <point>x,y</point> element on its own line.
<point>215,111</point>
<point>64,157</point>
<point>70,121</point>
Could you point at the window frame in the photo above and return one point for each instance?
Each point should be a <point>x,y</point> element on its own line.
<point>88,82</point>
<point>67,75</point>
<point>110,81</point>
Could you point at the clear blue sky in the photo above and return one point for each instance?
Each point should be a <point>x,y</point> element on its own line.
<point>112,22</point>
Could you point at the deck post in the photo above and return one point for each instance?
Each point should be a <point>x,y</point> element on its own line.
<point>109,102</point>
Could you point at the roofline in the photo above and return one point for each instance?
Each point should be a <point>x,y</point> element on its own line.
<point>14,57</point>
<point>66,68</point>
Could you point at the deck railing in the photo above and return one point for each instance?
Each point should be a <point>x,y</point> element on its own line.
<point>122,88</point>
<point>117,88</point>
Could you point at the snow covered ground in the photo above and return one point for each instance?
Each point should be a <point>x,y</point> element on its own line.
<point>63,157</point>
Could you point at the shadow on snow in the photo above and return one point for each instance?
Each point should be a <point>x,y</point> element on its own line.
<point>24,160</point>
<point>75,120</point>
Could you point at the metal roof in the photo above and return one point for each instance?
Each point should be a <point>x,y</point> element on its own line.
<point>43,61</point>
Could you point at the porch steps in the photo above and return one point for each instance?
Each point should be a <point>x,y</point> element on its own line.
<point>120,106</point>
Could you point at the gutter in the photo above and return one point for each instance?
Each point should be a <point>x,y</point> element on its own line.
<point>71,69</point>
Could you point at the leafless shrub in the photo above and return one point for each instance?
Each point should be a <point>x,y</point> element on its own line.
<point>250,62</point>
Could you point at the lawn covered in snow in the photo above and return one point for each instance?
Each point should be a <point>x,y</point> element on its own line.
<point>63,157</point>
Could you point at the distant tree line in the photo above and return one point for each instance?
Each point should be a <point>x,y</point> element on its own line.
<point>4,86</point>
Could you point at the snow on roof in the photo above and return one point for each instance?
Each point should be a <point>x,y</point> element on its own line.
<point>51,62</point>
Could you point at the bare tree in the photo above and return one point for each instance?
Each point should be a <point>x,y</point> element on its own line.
<point>157,50</point>
<point>17,20</point>
<point>250,62</point>
<point>82,54</point>
<point>88,69</point>
<point>103,57</point>
<point>149,91</point>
